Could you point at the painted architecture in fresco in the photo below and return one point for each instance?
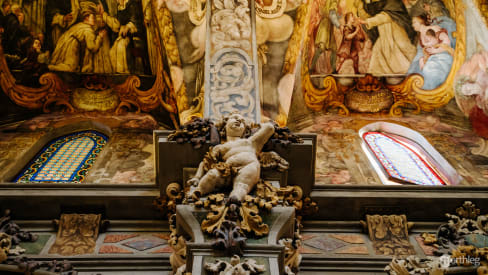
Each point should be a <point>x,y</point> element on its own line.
<point>380,128</point>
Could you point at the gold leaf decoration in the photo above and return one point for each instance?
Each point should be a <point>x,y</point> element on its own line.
<point>251,221</point>
<point>215,218</point>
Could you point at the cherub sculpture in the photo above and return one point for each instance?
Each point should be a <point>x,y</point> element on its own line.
<point>235,161</point>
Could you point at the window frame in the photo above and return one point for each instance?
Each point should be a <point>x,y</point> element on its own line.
<point>90,156</point>
<point>408,138</point>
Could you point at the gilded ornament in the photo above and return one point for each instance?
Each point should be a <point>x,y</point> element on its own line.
<point>276,9</point>
<point>197,12</point>
<point>389,234</point>
<point>77,234</point>
<point>407,93</point>
<point>428,238</point>
<point>5,244</point>
<point>251,220</point>
<point>293,50</point>
<point>293,257</point>
<point>171,47</point>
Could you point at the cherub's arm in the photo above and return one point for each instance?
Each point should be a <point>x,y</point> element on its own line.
<point>262,135</point>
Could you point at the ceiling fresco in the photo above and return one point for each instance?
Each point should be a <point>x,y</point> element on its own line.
<point>346,56</point>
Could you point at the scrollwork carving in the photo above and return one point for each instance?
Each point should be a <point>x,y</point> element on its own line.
<point>389,234</point>
<point>232,85</point>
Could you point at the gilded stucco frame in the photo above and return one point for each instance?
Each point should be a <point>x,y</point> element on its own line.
<point>407,93</point>
<point>54,91</point>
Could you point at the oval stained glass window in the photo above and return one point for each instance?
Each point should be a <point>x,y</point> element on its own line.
<point>400,162</point>
<point>65,159</point>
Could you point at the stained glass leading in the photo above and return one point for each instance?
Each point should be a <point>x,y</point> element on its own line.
<point>401,162</point>
<point>66,159</point>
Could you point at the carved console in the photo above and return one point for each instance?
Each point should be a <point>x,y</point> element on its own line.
<point>218,233</point>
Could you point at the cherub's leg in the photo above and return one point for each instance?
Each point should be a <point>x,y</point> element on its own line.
<point>209,182</point>
<point>244,182</point>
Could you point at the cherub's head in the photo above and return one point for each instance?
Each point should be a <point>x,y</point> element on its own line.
<point>418,22</point>
<point>235,125</point>
<point>430,37</point>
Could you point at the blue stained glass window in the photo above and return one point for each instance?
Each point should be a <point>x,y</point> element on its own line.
<point>400,162</point>
<point>65,159</point>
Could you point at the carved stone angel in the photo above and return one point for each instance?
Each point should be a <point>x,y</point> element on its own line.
<point>235,161</point>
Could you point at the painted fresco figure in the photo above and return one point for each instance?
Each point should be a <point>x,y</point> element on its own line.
<point>102,62</point>
<point>60,16</point>
<point>238,156</point>
<point>129,52</point>
<point>389,27</point>
<point>17,37</point>
<point>350,47</point>
<point>324,39</point>
<point>78,43</point>
<point>435,54</point>
<point>4,11</point>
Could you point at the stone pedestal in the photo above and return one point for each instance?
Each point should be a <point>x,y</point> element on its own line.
<point>172,159</point>
<point>265,250</point>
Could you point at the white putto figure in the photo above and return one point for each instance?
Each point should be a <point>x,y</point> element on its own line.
<point>239,155</point>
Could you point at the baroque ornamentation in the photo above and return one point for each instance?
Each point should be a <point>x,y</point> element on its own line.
<point>234,267</point>
<point>5,244</point>
<point>197,12</point>
<point>230,25</point>
<point>172,52</point>
<point>55,92</point>
<point>13,230</point>
<point>232,85</point>
<point>293,50</point>
<point>408,93</point>
<point>451,239</point>
<point>77,234</point>
<point>276,9</point>
<point>389,234</point>
<point>293,257</point>
<point>412,265</point>
<point>467,221</point>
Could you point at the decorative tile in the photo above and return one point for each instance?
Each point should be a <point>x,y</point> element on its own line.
<point>307,250</point>
<point>163,236</point>
<point>352,239</point>
<point>66,159</point>
<point>166,249</point>
<point>144,243</point>
<point>428,250</point>
<point>115,238</point>
<point>34,248</point>
<point>359,250</point>
<point>325,244</point>
<point>112,249</point>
